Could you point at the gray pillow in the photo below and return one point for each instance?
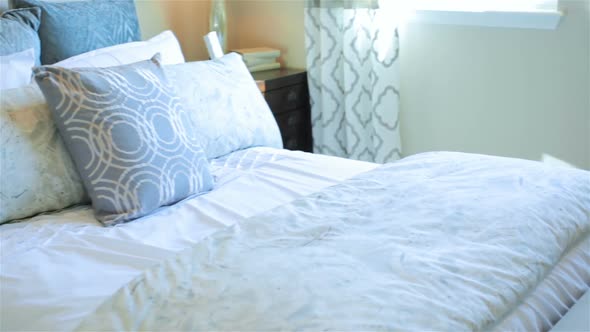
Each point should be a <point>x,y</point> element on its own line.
<point>132,142</point>
<point>76,27</point>
<point>18,31</point>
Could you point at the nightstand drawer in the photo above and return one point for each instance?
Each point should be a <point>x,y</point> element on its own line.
<point>294,126</point>
<point>294,143</point>
<point>285,92</point>
<point>287,98</point>
<point>291,122</point>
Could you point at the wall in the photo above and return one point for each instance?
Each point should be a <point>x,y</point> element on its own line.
<point>509,92</point>
<point>188,19</point>
<point>272,23</point>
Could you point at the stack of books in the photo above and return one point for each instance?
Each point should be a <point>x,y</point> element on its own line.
<point>260,58</point>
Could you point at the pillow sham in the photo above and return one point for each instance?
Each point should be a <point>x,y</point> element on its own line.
<point>18,31</point>
<point>16,69</point>
<point>132,142</point>
<point>229,111</point>
<point>36,172</point>
<point>75,27</point>
<point>165,43</point>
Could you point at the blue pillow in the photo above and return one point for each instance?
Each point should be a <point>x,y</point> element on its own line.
<point>133,144</point>
<point>18,31</point>
<point>76,27</point>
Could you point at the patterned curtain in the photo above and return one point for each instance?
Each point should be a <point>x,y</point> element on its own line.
<point>353,69</point>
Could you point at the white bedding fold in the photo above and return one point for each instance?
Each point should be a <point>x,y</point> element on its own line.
<point>45,275</point>
<point>440,241</point>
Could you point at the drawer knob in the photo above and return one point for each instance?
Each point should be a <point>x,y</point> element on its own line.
<point>292,96</point>
<point>292,121</point>
<point>292,144</point>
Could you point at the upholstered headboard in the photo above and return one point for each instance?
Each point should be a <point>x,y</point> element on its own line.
<point>7,4</point>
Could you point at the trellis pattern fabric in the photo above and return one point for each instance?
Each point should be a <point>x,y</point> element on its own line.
<point>353,69</point>
<point>132,142</point>
<point>18,31</point>
<point>36,172</point>
<point>75,27</point>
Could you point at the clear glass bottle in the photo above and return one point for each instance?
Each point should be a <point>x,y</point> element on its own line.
<point>218,23</point>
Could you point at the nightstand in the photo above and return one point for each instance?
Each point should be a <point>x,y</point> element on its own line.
<point>285,91</point>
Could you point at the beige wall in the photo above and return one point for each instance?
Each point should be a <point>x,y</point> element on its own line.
<point>189,19</point>
<point>272,23</point>
<point>251,23</point>
<point>510,92</point>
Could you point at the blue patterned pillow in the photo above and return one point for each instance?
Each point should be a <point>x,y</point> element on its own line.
<point>18,31</point>
<point>131,141</point>
<point>76,27</point>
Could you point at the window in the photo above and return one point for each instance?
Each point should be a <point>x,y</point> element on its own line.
<point>534,14</point>
<point>486,5</point>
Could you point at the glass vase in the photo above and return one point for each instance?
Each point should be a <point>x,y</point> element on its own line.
<point>218,23</point>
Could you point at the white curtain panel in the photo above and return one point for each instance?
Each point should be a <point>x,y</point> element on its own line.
<point>353,69</point>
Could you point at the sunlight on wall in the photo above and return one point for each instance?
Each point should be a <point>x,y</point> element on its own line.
<point>553,161</point>
<point>480,5</point>
<point>388,21</point>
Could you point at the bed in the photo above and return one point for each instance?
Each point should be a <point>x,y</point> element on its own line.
<point>64,268</point>
<point>271,239</point>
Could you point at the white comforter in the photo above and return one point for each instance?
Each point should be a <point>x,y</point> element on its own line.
<point>57,268</point>
<point>441,241</point>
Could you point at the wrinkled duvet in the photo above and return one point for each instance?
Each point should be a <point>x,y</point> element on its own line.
<point>440,241</point>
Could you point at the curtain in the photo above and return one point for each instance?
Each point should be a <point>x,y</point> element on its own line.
<point>352,53</point>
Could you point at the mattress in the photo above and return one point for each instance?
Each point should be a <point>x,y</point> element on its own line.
<point>49,263</point>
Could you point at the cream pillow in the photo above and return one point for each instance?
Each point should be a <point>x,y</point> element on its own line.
<point>36,172</point>
<point>16,69</point>
<point>165,43</point>
<point>229,111</point>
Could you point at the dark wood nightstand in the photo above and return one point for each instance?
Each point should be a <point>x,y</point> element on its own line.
<point>286,93</point>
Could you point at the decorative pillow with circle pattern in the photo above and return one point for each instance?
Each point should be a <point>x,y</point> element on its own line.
<point>132,142</point>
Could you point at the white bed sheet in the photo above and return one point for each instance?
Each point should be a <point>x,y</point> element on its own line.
<point>555,295</point>
<point>57,268</point>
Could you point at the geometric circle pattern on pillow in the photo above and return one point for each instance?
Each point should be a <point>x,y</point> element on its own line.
<point>133,144</point>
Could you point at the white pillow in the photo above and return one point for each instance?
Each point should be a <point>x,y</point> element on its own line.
<point>15,69</point>
<point>165,43</point>
<point>226,105</point>
<point>36,172</point>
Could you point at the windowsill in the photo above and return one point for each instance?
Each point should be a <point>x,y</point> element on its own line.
<point>547,20</point>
